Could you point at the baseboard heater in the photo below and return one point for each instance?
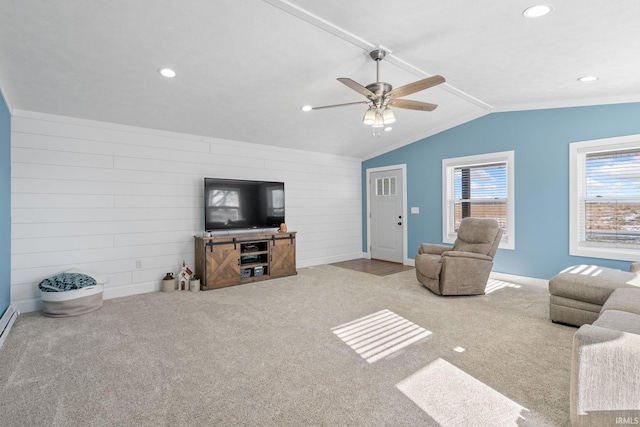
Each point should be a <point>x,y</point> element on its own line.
<point>6,322</point>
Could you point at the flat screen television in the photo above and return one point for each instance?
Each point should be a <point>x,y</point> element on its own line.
<point>233,204</point>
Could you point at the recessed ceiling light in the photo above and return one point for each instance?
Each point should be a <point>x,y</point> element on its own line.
<point>388,129</point>
<point>588,78</point>
<point>306,108</point>
<point>167,72</point>
<point>537,11</point>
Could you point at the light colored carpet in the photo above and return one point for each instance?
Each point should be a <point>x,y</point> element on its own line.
<point>265,354</point>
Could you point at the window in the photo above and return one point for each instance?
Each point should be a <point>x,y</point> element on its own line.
<point>386,186</point>
<point>482,187</point>
<point>605,198</point>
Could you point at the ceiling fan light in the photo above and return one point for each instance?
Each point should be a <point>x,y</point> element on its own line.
<point>379,123</point>
<point>369,117</point>
<point>388,117</point>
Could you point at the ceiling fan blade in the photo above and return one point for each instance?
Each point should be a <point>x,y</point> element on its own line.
<point>339,105</point>
<point>412,105</point>
<point>357,87</point>
<point>415,87</point>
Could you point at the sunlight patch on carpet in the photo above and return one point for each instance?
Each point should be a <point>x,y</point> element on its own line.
<point>453,398</point>
<point>494,285</point>
<point>379,334</point>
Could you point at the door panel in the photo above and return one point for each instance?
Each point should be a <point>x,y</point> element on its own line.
<point>283,257</point>
<point>223,265</point>
<point>386,200</point>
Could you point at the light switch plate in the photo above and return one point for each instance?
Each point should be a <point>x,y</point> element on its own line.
<point>415,210</point>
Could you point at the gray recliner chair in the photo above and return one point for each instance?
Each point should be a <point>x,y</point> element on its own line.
<point>464,268</point>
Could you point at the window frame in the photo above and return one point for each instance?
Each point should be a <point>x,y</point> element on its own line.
<point>448,168</point>
<point>577,192</point>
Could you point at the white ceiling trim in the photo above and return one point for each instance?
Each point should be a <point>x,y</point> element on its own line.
<point>622,99</point>
<point>395,60</point>
<point>325,25</point>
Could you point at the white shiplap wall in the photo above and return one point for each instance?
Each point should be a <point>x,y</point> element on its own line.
<point>102,197</point>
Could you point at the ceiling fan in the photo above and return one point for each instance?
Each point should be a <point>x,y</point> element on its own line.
<point>381,96</point>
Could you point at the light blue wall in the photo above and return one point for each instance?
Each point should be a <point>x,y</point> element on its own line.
<point>540,140</point>
<point>5,206</point>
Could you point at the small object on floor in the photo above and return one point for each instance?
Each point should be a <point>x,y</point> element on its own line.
<point>169,283</point>
<point>184,277</point>
<point>72,293</point>
<point>194,284</point>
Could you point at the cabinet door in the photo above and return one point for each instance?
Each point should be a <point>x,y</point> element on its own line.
<point>283,257</point>
<point>222,267</point>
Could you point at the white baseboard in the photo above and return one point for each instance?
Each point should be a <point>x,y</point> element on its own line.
<point>329,260</point>
<point>6,322</point>
<point>512,278</point>
<point>520,280</point>
<point>128,290</point>
<point>27,305</point>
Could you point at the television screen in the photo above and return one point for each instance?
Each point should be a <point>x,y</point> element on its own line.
<point>241,204</point>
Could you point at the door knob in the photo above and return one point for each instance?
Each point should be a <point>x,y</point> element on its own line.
<point>399,223</point>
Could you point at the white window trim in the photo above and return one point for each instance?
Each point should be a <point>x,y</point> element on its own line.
<point>509,240</point>
<point>577,155</point>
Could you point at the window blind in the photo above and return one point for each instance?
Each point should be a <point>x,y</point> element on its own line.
<point>610,205</point>
<point>480,191</point>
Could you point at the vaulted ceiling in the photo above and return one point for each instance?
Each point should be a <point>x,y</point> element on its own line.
<point>245,68</point>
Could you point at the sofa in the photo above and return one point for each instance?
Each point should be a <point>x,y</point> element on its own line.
<point>577,294</point>
<point>605,367</point>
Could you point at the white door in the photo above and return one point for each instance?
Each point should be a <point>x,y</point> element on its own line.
<point>386,201</point>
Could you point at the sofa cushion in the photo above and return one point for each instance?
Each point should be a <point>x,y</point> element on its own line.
<point>624,299</point>
<point>621,321</point>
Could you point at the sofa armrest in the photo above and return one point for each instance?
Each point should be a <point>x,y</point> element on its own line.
<point>430,248</point>
<point>464,273</point>
<point>605,373</point>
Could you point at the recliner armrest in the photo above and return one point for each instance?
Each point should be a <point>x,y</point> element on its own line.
<point>470,255</point>
<point>433,249</point>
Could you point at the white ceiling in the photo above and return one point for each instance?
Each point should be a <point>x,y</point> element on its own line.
<point>244,68</point>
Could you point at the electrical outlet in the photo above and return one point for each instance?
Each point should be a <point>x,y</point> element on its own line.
<point>138,263</point>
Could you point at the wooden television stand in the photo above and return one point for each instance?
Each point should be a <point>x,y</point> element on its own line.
<point>235,259</point>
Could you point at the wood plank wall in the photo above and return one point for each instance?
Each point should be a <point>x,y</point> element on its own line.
<point>127,201</point>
